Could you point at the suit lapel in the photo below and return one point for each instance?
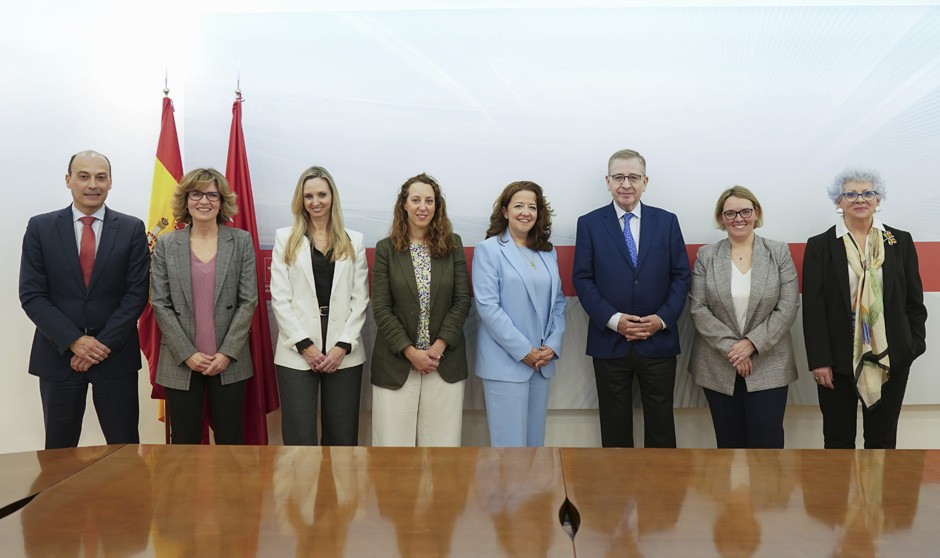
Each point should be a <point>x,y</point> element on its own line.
<point>722,268</point>
<point>223,258</point>
<point>760,271</point>
<point>181,257</point>
<point>840,265</point>
<point>555,287</point>
<point>648,231</point>
<point>69,246</point>
<point>340,268</point>
<point>612,224</point>
<point>407,269</point>
<point>109,232</point>
<point>511,252</point>
<point>889,271</point>
<point>305,261</point>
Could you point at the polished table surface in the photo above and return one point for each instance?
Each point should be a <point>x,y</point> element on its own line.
<point>29,473</point>
<point>284,501</point>
<point>708,502</point>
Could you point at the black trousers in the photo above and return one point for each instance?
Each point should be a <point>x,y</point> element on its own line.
<point>338,395</point>
<point>839,408</point>
<point>63,408</point>
<point>226,406</point>
<point>748,419</point>
<point>657,380</point>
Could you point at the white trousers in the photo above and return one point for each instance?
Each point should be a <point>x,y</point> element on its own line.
<point>426,411</point>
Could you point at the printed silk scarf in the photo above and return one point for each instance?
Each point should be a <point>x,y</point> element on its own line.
<point>870,347</point>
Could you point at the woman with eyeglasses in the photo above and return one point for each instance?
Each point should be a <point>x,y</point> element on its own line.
<point>743,300</point>
<point>203,290</point>
<point>319,291</point>
<point>864,319</point>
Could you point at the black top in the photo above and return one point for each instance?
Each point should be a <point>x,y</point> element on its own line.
<point>323,268</point>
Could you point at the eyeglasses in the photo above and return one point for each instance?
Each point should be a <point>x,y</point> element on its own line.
<point>867,195</point>
<point>634,179</point>
<point>196,195</point>
<point>745,213</point>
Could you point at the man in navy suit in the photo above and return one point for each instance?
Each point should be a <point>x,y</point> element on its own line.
<point>84,282</point>
<point>631,272</point>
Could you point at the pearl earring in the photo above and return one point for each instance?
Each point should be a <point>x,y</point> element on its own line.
<point>839,211</point>
<point>877,209</point>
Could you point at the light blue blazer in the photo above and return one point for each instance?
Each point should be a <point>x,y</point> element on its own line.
<point>511,320</point>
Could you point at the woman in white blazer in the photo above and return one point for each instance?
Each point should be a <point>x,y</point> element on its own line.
<point>743,301</point>
<point>319,290</point>
<point>517,292</point>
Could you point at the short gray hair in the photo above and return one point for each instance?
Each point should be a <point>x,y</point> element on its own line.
<point>857,174</point>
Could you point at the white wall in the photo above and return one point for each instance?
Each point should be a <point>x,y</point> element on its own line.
<point>479,94</point>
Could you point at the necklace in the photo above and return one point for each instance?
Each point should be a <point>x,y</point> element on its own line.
<point>527,258</point>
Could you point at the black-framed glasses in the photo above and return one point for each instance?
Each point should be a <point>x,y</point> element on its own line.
<point>867,195</point>
<point>745,213</point>
<point>634,179</point>
<point>196,195</point>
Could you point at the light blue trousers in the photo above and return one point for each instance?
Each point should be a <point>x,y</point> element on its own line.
<point>515,411</point>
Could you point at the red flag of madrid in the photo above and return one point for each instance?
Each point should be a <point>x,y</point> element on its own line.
<point>261,393</point>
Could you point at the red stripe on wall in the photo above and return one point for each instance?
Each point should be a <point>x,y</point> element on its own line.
<point>928,254</point>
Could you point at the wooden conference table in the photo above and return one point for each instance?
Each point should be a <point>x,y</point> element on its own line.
<point>284,501</point>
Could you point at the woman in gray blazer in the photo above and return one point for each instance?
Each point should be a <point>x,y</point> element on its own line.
<point>743,300</point>
<point>203,292</point>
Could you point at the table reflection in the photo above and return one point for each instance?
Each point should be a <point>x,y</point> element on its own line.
<point>317,495</point>
<point>61,522</point>
<point>422,492</point>
<point>862,495</point>
<point>206,500</point>
<point>519,493</point>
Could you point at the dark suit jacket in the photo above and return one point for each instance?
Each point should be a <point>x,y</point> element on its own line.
<point>54,296</point>
<point>827,308</point>
<point>607,282</point>
<point>395,308</point>
<point>171,296</point>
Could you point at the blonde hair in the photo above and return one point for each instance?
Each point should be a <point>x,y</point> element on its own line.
<point>302,229</point>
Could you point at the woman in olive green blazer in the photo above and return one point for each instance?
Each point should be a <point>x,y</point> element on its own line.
<point>420,301</point>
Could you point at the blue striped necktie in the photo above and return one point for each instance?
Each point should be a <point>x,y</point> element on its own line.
<point>628,236</point>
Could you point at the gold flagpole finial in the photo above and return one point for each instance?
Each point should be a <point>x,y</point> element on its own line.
<point>238,87</point>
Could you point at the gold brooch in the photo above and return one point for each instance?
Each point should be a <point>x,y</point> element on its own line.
<point>890,238</point>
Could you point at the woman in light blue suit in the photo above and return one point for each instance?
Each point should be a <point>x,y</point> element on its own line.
<point>517,292</point>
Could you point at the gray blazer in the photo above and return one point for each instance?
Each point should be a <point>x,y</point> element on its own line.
<point>771,311</point>
<point>236,295</point>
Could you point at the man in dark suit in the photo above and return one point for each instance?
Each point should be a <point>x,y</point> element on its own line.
<point>631,272</point>
<point>83,282</point>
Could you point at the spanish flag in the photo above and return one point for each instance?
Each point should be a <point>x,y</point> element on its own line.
<point>167,172</point>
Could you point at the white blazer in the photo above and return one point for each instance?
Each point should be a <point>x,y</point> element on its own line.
<point>296,308</point>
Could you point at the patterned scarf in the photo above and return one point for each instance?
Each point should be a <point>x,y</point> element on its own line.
<point>870,346</point>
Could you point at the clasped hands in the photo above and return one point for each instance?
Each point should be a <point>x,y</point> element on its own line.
<point>320,362</point>
<point>427,360</point>
<point>208,365</point>
<point>539,357</point>
<point>740,357</point>
<point>86,352</point>
<point>637,328</point>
